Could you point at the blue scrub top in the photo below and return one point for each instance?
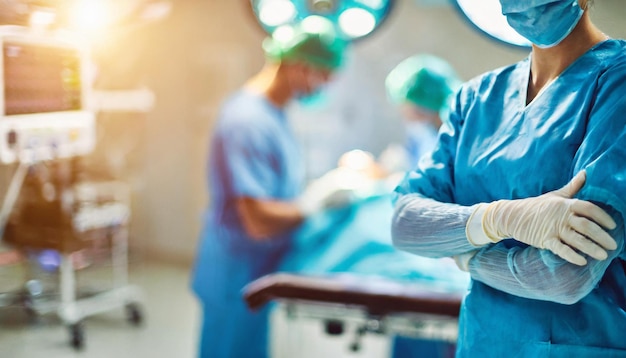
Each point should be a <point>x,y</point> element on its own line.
<point>420,142</point>
<point>253,153</point>
<point>495,146</point>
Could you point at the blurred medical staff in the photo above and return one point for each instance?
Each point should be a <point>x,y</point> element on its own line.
<point>421,86</point>
<point>526,189</point>
<point>255,184</point>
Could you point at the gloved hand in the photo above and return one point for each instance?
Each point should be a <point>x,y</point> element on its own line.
<point>552,221</point>
<point>329,191</point>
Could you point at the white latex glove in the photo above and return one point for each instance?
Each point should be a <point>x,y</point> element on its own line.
<point>552,221</point>
<point>331,190</point>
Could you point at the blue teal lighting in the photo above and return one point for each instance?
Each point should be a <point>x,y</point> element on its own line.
<point>353,19</point>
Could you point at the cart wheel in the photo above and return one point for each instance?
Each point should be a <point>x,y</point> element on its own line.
<point>29,308</point>
<point>33,289</point>
<point>334,327</point>
<point>33,316</point>
<point>133,314</point>
<point>77,335</point>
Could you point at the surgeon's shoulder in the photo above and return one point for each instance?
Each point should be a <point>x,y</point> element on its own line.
<point>243,132</point>
<point>240,105</point>
<point>611,55</point>
<point>610,59</point>
<point>241,112</point>
<point>490,79</point>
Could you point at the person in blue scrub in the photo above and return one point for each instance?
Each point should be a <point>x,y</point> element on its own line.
<point>256,176</point>
<point>526,191</point>
<point>421,86</point>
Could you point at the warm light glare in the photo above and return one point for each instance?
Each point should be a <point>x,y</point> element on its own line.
<point>276,12</point>
<point>91,15</point>
<point>42,18</point>
<point>357,22</point>
<point>357,160</point>
<point>156,11</point>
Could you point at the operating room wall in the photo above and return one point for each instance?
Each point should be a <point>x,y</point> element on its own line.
<point>190,61</point>
<point>207,48</point>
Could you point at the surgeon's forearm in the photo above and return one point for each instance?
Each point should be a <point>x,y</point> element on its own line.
<point>537,274</point>
<point>265,219</point>
<point>426,227</point>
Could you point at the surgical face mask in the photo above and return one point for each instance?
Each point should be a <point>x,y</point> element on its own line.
<point>318,97</point>
<point>315,99</point>
<point>545,23</point>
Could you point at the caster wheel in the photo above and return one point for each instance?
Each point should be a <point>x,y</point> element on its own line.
<point>334,328</point>
<point>77,335</point>
<point>134,314</point>
<point>29,308</point>
<point>33,291</point>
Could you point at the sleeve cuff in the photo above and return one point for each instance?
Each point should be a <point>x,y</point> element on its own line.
<point>474,227</point>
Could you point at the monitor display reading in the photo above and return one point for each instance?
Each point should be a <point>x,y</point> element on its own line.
<point>40,78</point>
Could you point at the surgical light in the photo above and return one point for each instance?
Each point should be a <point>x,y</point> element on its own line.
<point>322,6</point>
<point>357,22</point>
<point>352,19</point>
<point>90,15</point>
<point>276,12</point>
<point>314,24</point>
<point>283,33</point>
<point>486,15</point>
<point>42,18</point>
<point>374,4</point>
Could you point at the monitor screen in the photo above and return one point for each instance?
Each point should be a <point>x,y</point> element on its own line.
<point>40,78</point>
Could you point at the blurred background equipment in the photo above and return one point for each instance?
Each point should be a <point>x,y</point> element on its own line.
<point>58,217</point>
<point>45,112</point>
<point>160,71</point>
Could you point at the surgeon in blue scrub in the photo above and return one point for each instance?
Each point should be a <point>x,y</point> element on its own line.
<point>421,86</point>
<point>256,177</point>
<point>526,190</point>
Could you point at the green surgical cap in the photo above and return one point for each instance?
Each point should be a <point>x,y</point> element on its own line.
<point>312,41</point>
<point>424,80</point>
